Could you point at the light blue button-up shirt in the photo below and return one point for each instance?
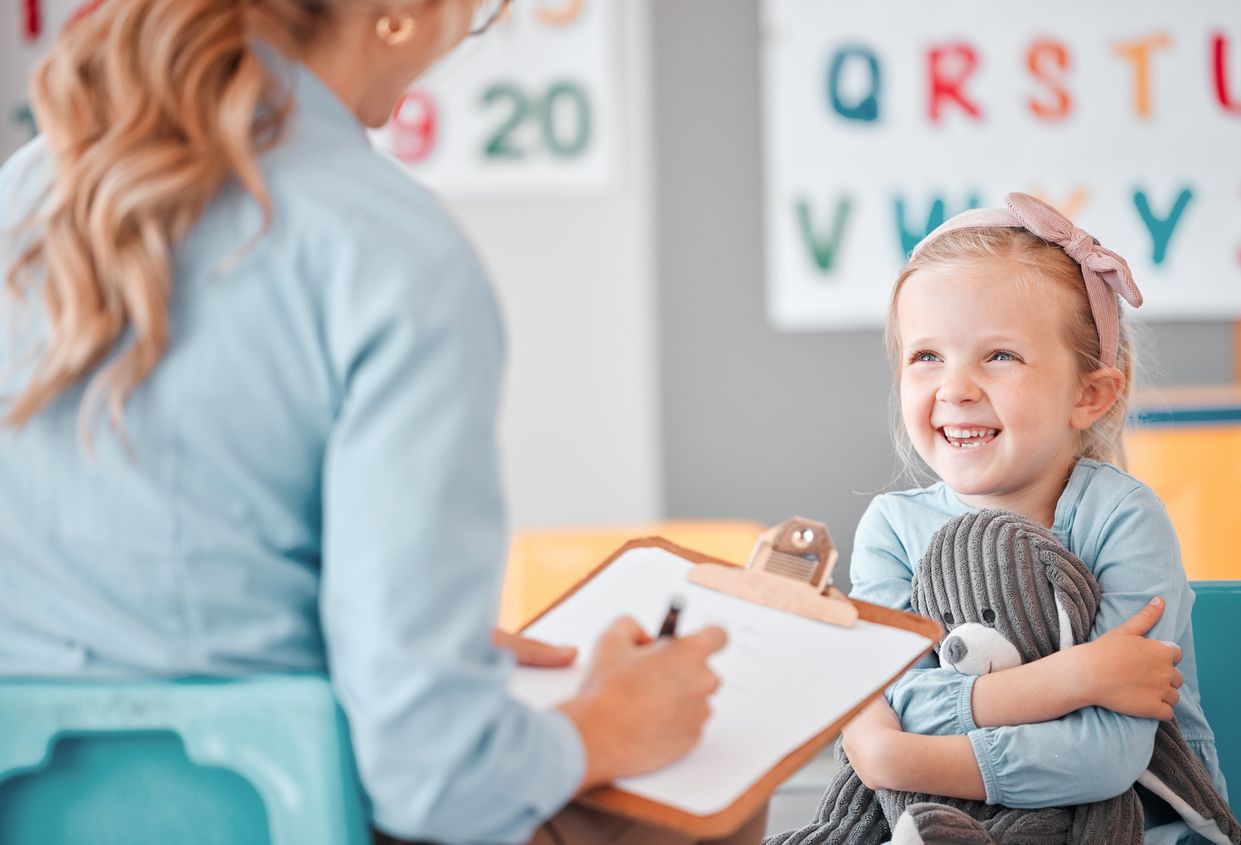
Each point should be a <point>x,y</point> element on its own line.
<point>1120,530</point>
<point>310,483</point>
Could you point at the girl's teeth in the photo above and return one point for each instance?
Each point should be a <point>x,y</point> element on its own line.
<point>969,438</point>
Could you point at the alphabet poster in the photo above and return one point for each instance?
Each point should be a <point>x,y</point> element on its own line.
<point>883,119</point>
<point>531,108</point>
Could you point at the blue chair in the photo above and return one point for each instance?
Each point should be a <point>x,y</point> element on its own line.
<point>254,761</point>
<point>1217,645</point>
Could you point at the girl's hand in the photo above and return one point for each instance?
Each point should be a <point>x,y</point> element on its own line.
<point>1128,673</point>
<point>531,652</point>
<point>643,703</point>
<point>867,740</point>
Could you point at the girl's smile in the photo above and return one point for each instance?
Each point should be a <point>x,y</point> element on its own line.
<point>968,436</point>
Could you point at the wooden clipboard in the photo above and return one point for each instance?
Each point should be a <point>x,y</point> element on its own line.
<point>730,819</point>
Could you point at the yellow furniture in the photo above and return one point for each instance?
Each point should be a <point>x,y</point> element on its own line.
<point>1186,444</point>
<point>543,564</point>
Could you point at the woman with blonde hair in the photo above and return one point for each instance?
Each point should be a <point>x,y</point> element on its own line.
<point>250,374</point>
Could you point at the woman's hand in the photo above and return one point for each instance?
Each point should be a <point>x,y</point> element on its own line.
<point>1128,673</point>
<point>867,740</point>
<point>531,652</point>
<point>643,703</point>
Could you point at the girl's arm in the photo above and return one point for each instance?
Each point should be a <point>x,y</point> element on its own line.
<point>1057,762</point>
<point>1112,669</point>
<point>885,757</point>
<point>1122,671</point>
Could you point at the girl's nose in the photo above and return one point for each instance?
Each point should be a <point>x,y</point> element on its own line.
<point>958,386</point>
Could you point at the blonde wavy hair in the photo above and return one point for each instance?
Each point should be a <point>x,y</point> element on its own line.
<point>147,107</point>
<point>1033,261</point>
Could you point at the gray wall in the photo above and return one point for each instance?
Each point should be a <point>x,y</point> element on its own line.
<point>756,423</point>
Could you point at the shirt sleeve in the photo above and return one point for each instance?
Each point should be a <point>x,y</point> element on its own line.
<point>1093,754</point>
<point>880,569</point>
<point>413,551</point>
<point>927,699</point>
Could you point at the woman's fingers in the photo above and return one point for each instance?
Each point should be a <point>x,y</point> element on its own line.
<point>645,705</point>
<point>532,652</point>
<point>627,632</point>
<point>706,641</point>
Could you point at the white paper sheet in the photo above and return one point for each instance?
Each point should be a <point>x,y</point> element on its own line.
<point>785,678</point>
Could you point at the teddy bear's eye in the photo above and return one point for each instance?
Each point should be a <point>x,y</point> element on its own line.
<point>988,616</point>
<point>947,618</point>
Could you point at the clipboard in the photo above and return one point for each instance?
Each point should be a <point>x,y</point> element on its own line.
<point>722,822</point>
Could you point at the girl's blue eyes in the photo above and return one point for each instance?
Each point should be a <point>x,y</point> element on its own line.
<point>931,357</point>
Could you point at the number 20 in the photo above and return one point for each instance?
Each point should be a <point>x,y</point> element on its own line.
<point>562,98</point>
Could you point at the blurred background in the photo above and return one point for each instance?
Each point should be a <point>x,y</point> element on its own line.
<point>693,211</point>
<point>628,182</point>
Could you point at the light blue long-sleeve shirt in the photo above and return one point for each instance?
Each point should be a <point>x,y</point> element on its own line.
<point>312,483</point>
<point>1120,530</point>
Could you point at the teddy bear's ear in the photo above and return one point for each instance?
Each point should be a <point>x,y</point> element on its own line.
<point>1077,593</point>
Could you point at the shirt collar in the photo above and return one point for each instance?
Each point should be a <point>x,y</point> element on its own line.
<point>312,98</point>
<point>1066,505</point>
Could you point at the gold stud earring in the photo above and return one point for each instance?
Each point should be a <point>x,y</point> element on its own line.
<point>393,34</point>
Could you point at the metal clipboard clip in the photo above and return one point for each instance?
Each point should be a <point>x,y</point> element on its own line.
<point>789,570</point>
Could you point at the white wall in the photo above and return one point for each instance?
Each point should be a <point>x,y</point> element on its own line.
<point>576,277</point>
<point>17,57</point>
<point>577,281</point>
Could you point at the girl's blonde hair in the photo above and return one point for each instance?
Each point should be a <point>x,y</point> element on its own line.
<point>147,107</point>
<point>1033,260</point>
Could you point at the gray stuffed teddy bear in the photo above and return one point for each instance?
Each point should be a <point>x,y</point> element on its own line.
<point>1006,592</point>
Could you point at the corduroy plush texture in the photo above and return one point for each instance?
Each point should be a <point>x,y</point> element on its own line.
<point>1012,566</point>
<point>934,824</point>
<point>1008,573</point>
<point>1174,765</point>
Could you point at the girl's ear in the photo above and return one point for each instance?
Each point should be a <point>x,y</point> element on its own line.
<point>1099,391</point>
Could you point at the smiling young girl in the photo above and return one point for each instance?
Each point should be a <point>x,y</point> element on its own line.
<point>1013,367</point>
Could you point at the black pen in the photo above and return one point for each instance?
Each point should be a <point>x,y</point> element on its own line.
<point>669,626</point>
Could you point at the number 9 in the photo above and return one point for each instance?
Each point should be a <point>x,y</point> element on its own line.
<point>413,126</point>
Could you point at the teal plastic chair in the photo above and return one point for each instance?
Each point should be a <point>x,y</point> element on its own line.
<point>255,761</point>
<point>1217,645</point>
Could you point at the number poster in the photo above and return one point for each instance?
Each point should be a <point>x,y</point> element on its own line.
<point>883,119</point>
<point>530,107</point>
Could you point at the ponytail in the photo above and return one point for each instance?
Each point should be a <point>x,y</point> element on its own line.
<point>148,107</point>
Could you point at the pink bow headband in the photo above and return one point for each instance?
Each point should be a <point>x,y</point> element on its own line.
<point>1103,270</point>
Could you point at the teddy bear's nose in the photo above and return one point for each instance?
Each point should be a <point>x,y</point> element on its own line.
<point>955,649</point>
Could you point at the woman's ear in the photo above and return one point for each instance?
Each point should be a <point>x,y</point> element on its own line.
<point>1099,391</point>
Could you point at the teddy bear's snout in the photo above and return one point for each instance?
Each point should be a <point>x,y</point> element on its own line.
<point>955,649</point>
<point>974,649</point>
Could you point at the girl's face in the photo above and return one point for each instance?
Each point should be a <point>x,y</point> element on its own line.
<point>990,392</point>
